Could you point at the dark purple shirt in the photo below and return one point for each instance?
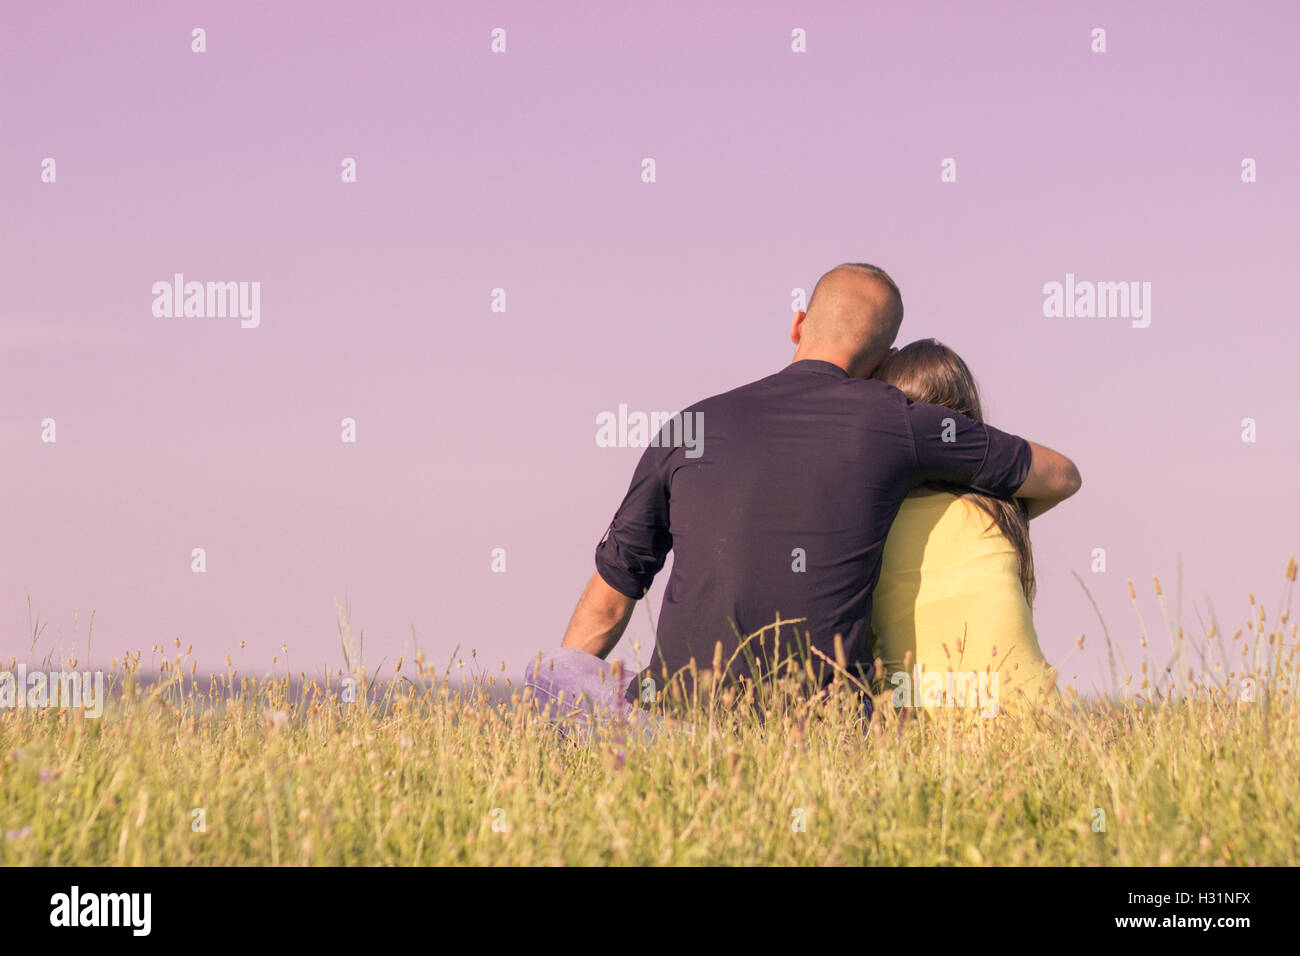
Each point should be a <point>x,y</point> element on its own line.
<point>805,468</point>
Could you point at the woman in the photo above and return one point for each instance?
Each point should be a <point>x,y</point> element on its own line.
<point>952,620</point>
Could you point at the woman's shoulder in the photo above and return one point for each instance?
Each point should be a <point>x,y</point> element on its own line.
<point>929,497</point>
<point>944,514</point>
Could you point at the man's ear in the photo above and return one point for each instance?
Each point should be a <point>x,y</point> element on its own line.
<point>796,328</point>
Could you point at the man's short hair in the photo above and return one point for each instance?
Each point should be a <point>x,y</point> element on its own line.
<point>877,273</point>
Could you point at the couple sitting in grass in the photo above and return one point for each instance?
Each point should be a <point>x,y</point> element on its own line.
<point>852,511</point>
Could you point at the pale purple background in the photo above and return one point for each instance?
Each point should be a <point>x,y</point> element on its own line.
<point>523,171</point>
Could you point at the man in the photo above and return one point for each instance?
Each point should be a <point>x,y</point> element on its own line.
<point>778,517</point>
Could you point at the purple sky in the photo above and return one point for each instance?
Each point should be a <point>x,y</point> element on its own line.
<point>522,171</point>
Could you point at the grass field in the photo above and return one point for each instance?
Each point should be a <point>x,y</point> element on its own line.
<point>1195,764</point>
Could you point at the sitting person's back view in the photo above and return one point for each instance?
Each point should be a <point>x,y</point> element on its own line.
<point>779,510</point>
<point>951,617</point>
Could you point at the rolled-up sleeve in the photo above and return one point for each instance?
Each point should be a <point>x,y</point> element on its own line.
<point>638,540</point>
<point>955,448</point>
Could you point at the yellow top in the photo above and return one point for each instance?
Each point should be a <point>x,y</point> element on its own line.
<point>950,593</point>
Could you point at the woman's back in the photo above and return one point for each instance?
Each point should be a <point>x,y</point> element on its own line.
<point>950,593</point>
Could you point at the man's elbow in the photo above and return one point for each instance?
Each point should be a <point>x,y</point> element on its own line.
<point>1070,480</point>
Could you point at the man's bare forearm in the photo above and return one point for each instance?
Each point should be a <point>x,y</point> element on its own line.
<point>1052,478</point>
<point>600,618</point>
<point>1036,506</point>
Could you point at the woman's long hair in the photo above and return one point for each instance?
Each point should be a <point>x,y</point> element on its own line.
<point>929,372</point>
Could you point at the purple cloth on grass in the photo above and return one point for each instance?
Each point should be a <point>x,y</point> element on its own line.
<point>587,682</point>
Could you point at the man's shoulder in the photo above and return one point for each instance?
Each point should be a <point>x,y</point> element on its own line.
<point>731,396</point>
<point>883,393</point>
<point>869,392</point>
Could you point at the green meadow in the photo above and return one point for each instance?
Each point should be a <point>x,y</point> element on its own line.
<point>1189,759</point>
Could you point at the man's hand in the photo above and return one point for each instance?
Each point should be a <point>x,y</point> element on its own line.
<point>599,619</point>
<point>1052,478</point>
